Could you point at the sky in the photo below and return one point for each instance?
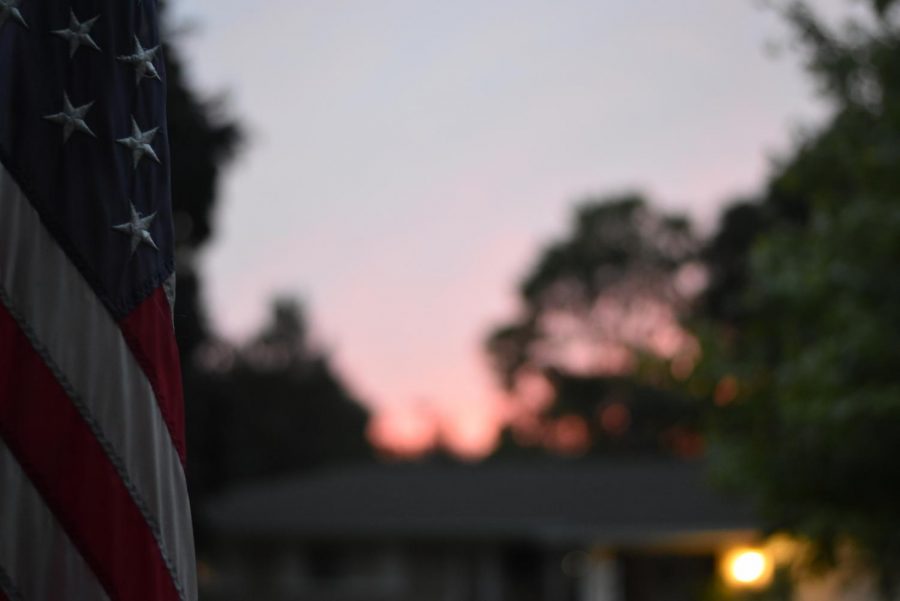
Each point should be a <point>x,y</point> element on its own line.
<point>406,161</point>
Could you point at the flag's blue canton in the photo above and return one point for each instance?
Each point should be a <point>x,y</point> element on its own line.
<point>95,191</point>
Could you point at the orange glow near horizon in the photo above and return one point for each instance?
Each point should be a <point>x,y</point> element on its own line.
<point>408,433</point>
<point>568,436</point>
<point>402,434</point>
<point>470,426</point>
<point>471,437</point>
<point>615,418</point>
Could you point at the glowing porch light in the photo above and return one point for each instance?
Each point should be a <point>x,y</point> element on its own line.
<point>747,568</point>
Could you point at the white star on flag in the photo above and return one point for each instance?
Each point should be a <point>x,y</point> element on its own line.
<point>142,60</point>
<point>71,118</point>
<point>139,143</point>
<point>10,9</point>
<point>78,34</point>
<point>138,228</point>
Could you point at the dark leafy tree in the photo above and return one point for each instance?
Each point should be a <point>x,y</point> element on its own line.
<point>803,311</point>
<point>202,139</point>
<point>602,305</point>
<point>287,410</point>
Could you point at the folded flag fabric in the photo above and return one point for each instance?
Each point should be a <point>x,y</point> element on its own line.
<point>93,499</point>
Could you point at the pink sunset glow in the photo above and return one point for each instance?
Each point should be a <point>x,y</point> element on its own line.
<point>410,160</point>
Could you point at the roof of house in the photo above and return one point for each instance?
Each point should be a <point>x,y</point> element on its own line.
<point>609,502</point>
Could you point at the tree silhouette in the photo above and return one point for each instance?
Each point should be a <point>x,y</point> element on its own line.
<point>600,306</point>
<point>804,310</point>
<point>203,140</point>
<point>287,409</point>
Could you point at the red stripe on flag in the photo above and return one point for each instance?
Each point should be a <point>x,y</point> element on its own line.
<point>68,466</point>
<point>151,338</point>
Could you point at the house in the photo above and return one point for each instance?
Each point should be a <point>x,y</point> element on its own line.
<point>613,531</point>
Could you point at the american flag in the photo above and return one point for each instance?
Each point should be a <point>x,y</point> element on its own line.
<point>93,501</point>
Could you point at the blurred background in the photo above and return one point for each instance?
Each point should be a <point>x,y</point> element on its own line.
<point>520,300</point>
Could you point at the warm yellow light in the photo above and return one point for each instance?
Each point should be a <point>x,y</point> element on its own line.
<point>747,568</point>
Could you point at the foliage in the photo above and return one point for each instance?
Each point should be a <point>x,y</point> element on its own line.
<point>803,307</point>
<point>620,257</point>
<point>819,415</point>
<point>282,408</point>
<point>600,305</point>
<point>202,140</point>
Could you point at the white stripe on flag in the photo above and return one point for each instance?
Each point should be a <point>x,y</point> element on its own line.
<point>116,398</point>
<point>37,574</point>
